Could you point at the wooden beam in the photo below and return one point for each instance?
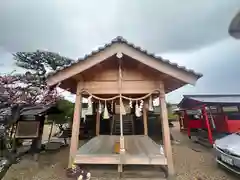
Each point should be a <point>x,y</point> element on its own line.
<point>128,73</point>
<point>166,131</point>
<point>75,126</point>
<point>145,119</point>
<point>128,87</point>
<point>110,87</point>
<point>97,123</point>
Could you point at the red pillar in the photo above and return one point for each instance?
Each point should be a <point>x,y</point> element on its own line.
<point>205,116</point>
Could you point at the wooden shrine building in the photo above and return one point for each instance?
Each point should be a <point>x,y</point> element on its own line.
<point>120,72</point>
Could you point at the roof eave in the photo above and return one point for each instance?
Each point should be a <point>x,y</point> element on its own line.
<point>192,76</point>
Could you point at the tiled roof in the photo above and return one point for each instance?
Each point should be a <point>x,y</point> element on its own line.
<point>38,110</point>
<point>209,99</point>
<point>215,98</point>
<point>120,39</point>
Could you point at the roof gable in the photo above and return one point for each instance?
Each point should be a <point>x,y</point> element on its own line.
<point>120,45</point>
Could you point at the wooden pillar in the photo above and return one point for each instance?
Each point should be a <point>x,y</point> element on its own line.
<point>145,119</point>
<point>179,118</point>
<point>75,126</point>
<point>97,123</point>
<point>37,142</point>
<point>166,131</point>
<point>181,121</point>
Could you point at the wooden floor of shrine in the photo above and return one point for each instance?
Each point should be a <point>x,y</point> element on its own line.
<point>140,150</point>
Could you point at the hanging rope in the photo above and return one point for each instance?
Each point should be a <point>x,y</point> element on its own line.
<point>98,98</point>
<point>141,98</point>
<point>124,97</point>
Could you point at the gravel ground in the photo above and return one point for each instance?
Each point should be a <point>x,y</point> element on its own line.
<point>192,161</point>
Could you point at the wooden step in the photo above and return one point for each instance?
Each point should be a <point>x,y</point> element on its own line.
<point>127,126</point>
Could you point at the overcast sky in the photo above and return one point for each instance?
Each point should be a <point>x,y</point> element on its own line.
<point>191,33</point>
